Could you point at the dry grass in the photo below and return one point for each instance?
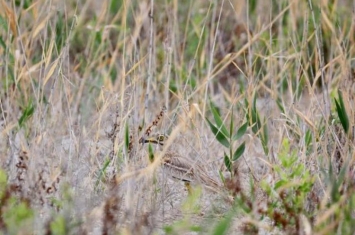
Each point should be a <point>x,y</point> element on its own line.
<point>83,81</point>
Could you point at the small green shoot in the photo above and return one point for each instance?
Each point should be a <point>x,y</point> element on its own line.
<point>102,173</point>
<point>17,215</point>
<point>223,225</point>
<point>342,114</point>
<point>257,127</point>
<point>58,226</point>
<point>308,140</point>
<point>27,114</point>
<point>150,153</point>
<point>227,162</point>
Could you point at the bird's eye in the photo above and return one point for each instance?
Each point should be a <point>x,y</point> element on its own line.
<point>161,139</point>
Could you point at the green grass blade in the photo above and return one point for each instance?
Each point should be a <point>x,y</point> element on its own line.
<point>2,43</point>
<point>241,131</point>
<point>231,126</point>
<point>219,135</point>
<point>3,182</point>
<point>308,140</point>
<point>255,118</point>
<point>27,113</point>
<point>256,124</point>
<point>3,24</point>
<point>227,162</point>
<point>221,176</point>
<point>265,138</point>
<point>280,105</point>
<point>238,153</point>
<point>126,137</point>
<point>218,120</point>
<point>343,116</point>
<point>150,153</point>
<point>102,173</point>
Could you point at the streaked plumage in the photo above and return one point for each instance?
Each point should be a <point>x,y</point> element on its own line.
<point>182,168</point>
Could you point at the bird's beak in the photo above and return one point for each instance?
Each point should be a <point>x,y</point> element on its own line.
<point>143,140</point>
<point>151,140</point>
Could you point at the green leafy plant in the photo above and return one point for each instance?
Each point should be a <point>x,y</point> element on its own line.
<point>227,137</point>
<point>337,213</point>
<point>61,222</point>
<point>287,197</point>
<point>223,225</point>
<point>189,207</point>
<point>16,215</point>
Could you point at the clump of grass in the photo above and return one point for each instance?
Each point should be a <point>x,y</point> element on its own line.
<point>272,83</point>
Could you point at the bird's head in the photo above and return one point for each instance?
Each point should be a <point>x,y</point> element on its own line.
<point>155,139</point>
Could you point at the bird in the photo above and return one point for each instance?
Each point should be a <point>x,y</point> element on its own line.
<point>182,168</point>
